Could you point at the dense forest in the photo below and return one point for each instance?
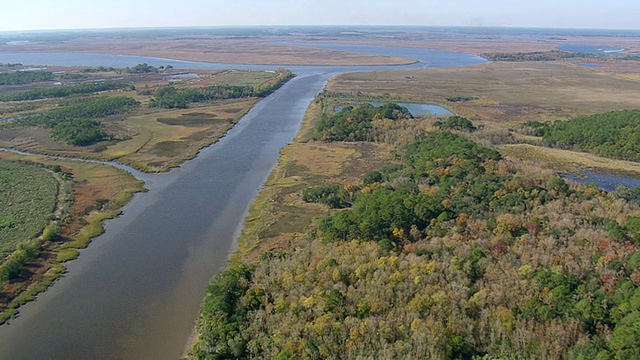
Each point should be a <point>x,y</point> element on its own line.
<point>450,251</point>
<point>612,134</point>
<point>357,123</point>
<point>169,97</point>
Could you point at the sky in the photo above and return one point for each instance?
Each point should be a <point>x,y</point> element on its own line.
<point>88,14</point>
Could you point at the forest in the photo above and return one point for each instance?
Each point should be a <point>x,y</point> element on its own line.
<point>414,261</point>
<point>613,134</point>
<point>63,91</point>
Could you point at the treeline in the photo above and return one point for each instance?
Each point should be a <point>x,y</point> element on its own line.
<point>613,134</point>
<point>92,108</point>
<point>63,91</point>
<point>170,97</point>
<point>24,77</point>
<point>448,252</point>
<point>143,68</point>
<point>551,55</point>
<point>356,123</point>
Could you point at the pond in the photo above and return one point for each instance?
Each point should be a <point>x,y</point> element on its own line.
<point>607,182</point>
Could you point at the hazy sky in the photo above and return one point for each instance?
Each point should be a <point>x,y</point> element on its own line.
<point>74,14</point>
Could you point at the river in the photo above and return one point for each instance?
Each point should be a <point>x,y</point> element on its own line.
<point>136,290</point>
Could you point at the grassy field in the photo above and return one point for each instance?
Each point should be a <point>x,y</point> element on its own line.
<point>569,161</point>
<point>28,196</point>
<point>242,77</point>
<point>508,93</point>
<point>95,193</point>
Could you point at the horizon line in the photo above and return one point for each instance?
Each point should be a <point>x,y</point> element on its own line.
<point>186,27</point>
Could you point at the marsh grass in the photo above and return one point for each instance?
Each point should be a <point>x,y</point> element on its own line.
<point>166,139</point>
<point>28,196</point>
<point>569,161</point>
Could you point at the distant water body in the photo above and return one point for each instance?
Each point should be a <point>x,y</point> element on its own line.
<point>594,49</point>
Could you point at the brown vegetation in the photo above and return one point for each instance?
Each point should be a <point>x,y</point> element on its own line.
<point>508,92</point>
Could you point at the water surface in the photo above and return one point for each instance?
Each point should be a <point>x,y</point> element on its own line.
<point>605,181</point>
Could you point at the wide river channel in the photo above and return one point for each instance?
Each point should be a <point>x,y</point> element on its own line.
<point>135,292</point>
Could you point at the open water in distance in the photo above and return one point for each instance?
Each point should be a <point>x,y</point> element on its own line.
<point>135,291</point>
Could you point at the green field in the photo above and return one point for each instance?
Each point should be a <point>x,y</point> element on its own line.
<point>28,195</point>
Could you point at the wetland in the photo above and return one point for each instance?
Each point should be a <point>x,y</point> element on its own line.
<point>143,280</point>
